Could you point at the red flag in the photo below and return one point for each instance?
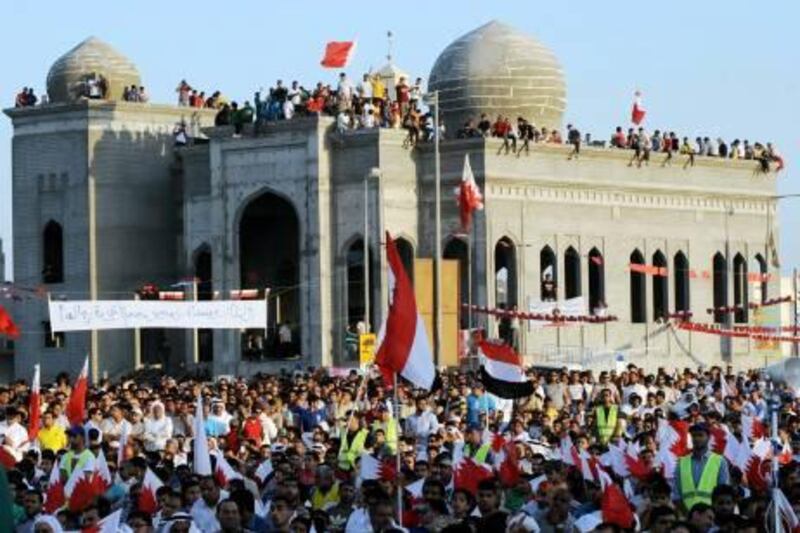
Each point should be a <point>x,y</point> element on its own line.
<point>102,475</point>
<point>34,406</point>
<point>468,196</point>
<point>76,407</point>
<point>404,348</point>
<point>147,498</point>
<point>7,460</point>
<point>7,326</point>
<point>338,54</point>
<point>616,508</point>
<point>83,492</point>
<point>638,111</point>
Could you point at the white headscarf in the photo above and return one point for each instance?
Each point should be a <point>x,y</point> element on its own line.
<point>51,521</point>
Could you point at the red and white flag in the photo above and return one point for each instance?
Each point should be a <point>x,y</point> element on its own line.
<point>468,196</point>
<point>7,325</point>
<point>54,498</point>
<point>224,473</point>
<point>264,471</point>
<point>109,524</point>
<point>338,54</point>
<point>34,406</point>
<point>102,475</point>
<point>468,474</point>
<point>638,111</point>
<point>148,503</point>
<point>501,371</point>
<point>80,488</point>
<point>76,407</point>
<point>404,348</point>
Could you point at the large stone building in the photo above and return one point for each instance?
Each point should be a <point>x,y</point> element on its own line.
<point>103,204</point>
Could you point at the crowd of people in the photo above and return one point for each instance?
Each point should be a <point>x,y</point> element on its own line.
<point>296,452</point>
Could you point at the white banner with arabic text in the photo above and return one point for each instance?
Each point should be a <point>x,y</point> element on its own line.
<point>129,314</point>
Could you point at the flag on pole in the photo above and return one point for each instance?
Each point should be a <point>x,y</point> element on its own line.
<point>54,497</point>
<point>338,54</point>
<point>76,407</point>
<point>202,459</point>
<point>34,405</point>
<point>468,196</point>
<point>404,348</point>
<point>7,326</point>
<point>501,371</point>
<point>638,111</point>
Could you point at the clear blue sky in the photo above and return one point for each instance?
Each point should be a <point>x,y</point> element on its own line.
<point>725,69</point>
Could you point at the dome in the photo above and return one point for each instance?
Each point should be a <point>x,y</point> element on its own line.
<point>496,69</point>
<point>67,77</point>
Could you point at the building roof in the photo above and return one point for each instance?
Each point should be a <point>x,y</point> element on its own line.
<point>91,56</point>
<point>496,69</point>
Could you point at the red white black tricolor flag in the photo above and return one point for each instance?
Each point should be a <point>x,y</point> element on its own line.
<point>501,371</point>
<point>403,345</point>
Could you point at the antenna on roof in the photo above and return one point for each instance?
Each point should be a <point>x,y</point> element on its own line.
<point>390,39</point>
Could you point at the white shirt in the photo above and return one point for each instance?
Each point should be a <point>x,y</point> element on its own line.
<point>156,433</point>
<point>206,517</point>
<point>422,425</point>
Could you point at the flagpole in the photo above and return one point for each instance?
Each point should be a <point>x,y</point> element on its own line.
<point>399,488</point>
<point>438,244</point>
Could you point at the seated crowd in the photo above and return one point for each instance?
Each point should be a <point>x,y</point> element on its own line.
<point>316,450</point>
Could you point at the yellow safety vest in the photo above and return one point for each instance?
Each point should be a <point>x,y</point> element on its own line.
<point>322,500</point>
<point>390,431</point>
<point>480,455</point>
<point>349,453</point>
<point>606,425</point>
<point>691,494</point>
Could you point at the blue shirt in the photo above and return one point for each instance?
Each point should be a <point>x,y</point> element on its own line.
<point>477,405</point>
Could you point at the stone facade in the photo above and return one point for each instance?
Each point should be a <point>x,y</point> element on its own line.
<point>103,171</point>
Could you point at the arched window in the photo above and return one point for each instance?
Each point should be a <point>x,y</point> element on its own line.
<point>597,286</point>
<point>720,267</point>
<point>205,291</point>
<point>357,298</point>
<point>549,273</point>
<point>406,251</point>
<point>638,290</point>
<point>680,267</point>
<point>53,264</point>
<point>761,268</point>
<point>505,272</point>
<point>457,249</point>
<point>660,287</point>
<point>572,273</point>
<point>740,296</point>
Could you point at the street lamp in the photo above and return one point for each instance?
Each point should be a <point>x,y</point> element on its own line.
<point>432,99</point>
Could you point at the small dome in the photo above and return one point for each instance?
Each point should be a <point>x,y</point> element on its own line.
<point>496,69</point>
<point>67,78</point>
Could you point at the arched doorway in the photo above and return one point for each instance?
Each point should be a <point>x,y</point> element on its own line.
<point>680,267</point>
<point>549,275</point>
<point>638,290</point>
<point>269,255</point>
<point>572,273</point>
<point>53,257</point>
<point>720,268</point>
<point>457,249</point>
<point>660,287</point>
<point>505,273</point>
<point>740,296</point>
<point>597,288</point>
<point>356,303</point>
<point>205,291</point>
